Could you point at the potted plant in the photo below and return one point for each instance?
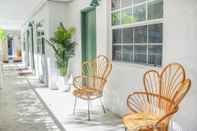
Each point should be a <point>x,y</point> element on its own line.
<point>2,38</point>
<point>64,49</point>
<point>2,35</point>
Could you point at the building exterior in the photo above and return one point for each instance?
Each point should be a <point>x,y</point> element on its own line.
<point>11,46</point>
<point>175,25</point>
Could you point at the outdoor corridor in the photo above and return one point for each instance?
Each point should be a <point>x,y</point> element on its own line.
<point>98,65</point>
<point>20,108</point>
<point>27,105</point>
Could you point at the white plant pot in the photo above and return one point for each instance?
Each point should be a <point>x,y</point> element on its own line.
<point>62,83</point>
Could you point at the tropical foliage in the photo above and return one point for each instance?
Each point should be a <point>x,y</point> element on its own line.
<point>2,35</point>
<point>95,3</point>
<point>63,47</point>
<point>126,18</point>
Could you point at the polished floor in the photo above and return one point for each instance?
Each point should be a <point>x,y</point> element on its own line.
<point>20,108</point>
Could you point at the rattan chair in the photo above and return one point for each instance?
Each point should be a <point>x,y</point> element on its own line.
<point>169,85</point>
<point>89,86</point>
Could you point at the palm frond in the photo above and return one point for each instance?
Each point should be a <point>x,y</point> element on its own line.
<point>63,45</point>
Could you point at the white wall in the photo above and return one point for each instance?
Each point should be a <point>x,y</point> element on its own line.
<point>41,16</point>
<point>180,29</point>
<point>180,45</point>
<point>74,20</point>
<point>57,13</point>
<point>117,88</point>
<point>50,14</point>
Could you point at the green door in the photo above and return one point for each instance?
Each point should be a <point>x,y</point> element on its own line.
<point>88,26</point>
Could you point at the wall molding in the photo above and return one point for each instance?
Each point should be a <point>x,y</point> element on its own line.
<point>40,5</point>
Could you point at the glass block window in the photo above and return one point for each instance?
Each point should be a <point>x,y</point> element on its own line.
<point>126,16</point>
<point>139,12</point>
<point>137,31</point>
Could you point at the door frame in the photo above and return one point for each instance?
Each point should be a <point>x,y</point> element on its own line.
<point>10,47</point>
<point>32,46</point>
<point>83,31</point>
<point>28,47</point>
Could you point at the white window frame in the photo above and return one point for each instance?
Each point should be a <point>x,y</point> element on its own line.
<point>132,25</point>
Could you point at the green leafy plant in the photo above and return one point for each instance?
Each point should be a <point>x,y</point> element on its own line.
<point>2,35</point>
<point>95,3</point>
<point>63,47</point>
<point>127,18</point>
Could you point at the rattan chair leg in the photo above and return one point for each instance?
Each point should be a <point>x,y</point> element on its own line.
<point>101,102</point>
<point>75,104</point>
<point>88,110</point>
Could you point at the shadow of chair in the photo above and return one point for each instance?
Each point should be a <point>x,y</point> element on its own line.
<point>89,86</point>
<point>154,107</point>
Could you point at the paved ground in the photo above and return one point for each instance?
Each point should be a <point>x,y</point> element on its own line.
<point>61,105</point>
<point>20,109</point>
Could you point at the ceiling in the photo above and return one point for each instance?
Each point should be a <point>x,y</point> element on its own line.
<point>13,13</point>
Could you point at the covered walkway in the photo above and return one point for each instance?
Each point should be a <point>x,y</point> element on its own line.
<point>56,55</point>
<point>21,109</point>
<point>27,105</point>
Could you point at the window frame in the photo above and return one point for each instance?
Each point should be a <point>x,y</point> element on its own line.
<point>133,25</point>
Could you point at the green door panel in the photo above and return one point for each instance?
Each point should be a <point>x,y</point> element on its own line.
<point>88,34</point>
<point>88,27</point>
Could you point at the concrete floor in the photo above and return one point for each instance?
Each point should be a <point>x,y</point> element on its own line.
<point>20,108</point>
<point>61,104</point>
<point>27,105</point>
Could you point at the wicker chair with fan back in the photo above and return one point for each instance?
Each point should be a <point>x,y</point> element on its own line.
<point>153,108</point>
<point>89,86</point>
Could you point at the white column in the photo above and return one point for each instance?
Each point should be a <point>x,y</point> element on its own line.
<point>1,65</point>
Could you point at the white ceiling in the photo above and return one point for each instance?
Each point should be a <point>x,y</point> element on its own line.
<point>14,12</point>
